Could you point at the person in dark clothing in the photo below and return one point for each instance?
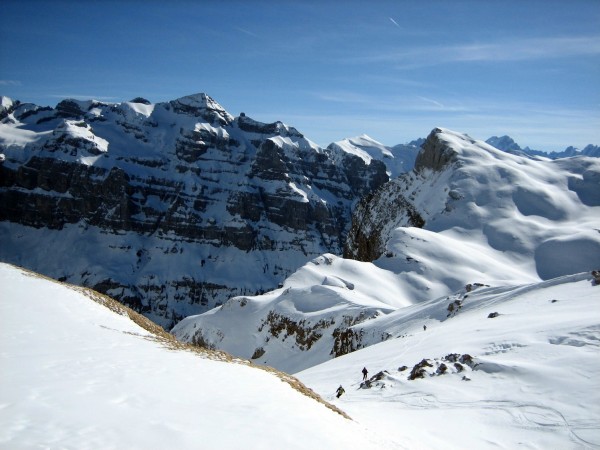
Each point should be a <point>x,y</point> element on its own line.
<point>424,327</point>
<point>365,372</point>
<point>340,391</point>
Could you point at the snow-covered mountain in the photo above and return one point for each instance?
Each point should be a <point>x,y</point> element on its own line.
<point>398,159</point>
<point>78,371</point>
<point>172,207</point>
<point>468,215</point>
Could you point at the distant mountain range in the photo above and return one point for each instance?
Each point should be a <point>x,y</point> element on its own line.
<point>507,144</point>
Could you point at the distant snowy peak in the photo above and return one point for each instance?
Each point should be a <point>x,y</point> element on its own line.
<point>592,150</point>
<point>5,103</point>
<point>398,159</point>
<point>202,106</point>
<point>505,143</point>
<point>364,147</point>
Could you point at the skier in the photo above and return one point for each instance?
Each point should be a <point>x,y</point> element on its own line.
<point>424,327</point>
<point>340,391</point>
<point>365,372</point>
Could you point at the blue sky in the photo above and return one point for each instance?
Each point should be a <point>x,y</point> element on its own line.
<point>390,69</point>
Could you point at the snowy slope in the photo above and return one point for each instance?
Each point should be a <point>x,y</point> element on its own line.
<point>532,381</point>
<point>483,215</point>
<point>301,324</point>
<point>364,147</point>
<point>77,375</point>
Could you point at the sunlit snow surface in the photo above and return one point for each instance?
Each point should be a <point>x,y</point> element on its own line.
<point>75,375</point>
<point>534,383</point>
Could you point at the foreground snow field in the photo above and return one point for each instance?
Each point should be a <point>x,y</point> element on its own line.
<point>75,375</point>
<point>532,383</point>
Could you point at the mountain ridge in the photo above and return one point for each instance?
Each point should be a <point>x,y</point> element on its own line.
<point>508,144</point>
<point>136,188</point>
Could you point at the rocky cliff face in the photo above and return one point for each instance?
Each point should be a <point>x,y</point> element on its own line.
<point>170,207</point>
<point>395,204</point>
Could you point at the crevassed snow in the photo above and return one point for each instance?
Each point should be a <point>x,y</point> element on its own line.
<point>76,375</point>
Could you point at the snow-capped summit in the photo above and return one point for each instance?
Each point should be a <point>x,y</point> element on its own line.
<point>5,103</point>
<point>365,147</point>
<point>202,106</point>
<point>398,159</point>
<point>505,143</point>
<point>170,207</point>
<point>466,190</point>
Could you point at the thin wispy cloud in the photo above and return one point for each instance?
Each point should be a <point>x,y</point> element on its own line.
<point>83,97</point>
<point>527,49</point>
<point>10,83</point>
<point>248,32</point>
<point>393,104</point>
<point>502,51</point>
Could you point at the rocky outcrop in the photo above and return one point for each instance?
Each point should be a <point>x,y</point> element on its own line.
<point>398,203</point>
<point>435,152</point>
<point>374,216</point>
<point>171,207</point>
